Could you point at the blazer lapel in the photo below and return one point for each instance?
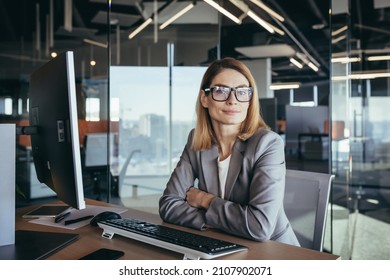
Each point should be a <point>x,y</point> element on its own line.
<point>210,169</point>
<point>234,167</point>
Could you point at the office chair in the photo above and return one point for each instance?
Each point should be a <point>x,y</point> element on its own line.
<point>306,205</point>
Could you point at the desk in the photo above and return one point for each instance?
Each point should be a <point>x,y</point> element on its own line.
<point>90,240</point>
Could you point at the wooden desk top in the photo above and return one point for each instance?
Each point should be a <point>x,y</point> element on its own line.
<point>91,240</point>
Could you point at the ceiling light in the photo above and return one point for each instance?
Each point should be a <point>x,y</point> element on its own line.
<point>261,22</point>
<point>176,16</point>
<point>279,86</point>
<point>248,12</point>
<point>307,61</point>
<point>378,57</point>
<point>362,76</point>
<point>277,30</point>
<point>338,31</point>
<point>367,76</point>
<point>345,59</point>
<point>373,201</point>
<point>339,78</point>
<point>92,42</point>
<point>139,28</point>
<point>338,39</point>
<point>318,26</point>
<point>268,10</point>
<point>296,63</point>
<point>223,11</point>
<point>312,66</point>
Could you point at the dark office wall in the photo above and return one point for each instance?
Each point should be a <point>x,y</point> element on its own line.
<point>268,110</point>
<point>303,120</point>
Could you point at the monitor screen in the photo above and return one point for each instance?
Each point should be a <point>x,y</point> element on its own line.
<point>55,145</point>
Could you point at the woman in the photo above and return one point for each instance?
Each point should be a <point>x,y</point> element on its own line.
<point>236,161</point>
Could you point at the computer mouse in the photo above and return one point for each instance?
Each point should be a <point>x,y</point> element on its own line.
<point>107,215</point>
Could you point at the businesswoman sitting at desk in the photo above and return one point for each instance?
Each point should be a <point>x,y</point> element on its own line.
<point>237,161</point>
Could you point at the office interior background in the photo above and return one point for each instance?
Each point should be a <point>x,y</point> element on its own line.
<point>321,67</point>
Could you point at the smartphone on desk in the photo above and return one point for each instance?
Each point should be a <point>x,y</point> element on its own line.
<point>103,254</point>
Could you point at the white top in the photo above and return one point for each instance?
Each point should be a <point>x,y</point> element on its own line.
<point>223,167</point>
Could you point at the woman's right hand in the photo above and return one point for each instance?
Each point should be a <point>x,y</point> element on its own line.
<point>198,198</point>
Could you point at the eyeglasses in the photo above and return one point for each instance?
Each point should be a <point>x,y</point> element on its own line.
<point>222,93</point>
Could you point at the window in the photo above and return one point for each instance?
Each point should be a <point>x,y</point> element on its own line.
<point>6,106</point>
<point>155,119</point>
<point>92,105</point>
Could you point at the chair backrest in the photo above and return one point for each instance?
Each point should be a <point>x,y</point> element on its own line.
<point>306,204</point>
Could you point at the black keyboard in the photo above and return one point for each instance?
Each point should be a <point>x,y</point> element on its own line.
<point>193,246</point>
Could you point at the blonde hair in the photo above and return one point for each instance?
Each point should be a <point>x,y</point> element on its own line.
<point>204,136</point>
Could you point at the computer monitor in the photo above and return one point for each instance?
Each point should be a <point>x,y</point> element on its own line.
<point>55,145</point>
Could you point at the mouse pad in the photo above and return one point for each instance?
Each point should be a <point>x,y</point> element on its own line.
<point>75,214</point>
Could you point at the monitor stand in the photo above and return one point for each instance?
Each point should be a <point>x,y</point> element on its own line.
<point>35,245</point>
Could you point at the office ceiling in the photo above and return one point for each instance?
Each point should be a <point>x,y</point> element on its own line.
<point>306,28</point>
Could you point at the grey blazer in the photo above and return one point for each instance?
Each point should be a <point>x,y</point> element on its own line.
<point>253,202</point>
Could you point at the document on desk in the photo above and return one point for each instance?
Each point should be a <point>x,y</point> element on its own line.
<point>90,210</point>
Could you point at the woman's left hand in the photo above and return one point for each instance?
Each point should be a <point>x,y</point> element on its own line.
<point>198,199</point>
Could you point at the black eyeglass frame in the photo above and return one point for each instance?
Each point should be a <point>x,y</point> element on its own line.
<point>211,90</point>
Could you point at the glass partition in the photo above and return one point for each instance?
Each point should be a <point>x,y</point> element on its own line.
<point>154,81</point>
<point>33,32</point>
<point>360,134</point>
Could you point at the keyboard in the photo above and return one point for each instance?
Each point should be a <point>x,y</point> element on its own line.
<point>193,246</point>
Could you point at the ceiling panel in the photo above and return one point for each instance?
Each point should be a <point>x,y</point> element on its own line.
<point>267,51</point>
